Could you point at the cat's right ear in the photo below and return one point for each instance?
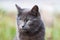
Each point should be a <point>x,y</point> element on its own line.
<point>19,8</point>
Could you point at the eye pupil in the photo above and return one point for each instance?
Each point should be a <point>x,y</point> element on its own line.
<point>26,20</point>
<point>19,19</point>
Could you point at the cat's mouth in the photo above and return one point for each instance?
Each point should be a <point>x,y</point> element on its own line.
<point>23,30</point>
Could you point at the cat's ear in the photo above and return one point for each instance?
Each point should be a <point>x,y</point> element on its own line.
<point>19,8</point>
<point>35,10</point>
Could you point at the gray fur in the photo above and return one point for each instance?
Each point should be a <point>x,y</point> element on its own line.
<point>29,24</point>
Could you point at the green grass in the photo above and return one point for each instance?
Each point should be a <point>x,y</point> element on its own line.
<point>56,29</point>
<point>53,33</point>
<point>8,29</point>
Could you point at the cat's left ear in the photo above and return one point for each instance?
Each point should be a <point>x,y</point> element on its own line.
<point>35,10</point>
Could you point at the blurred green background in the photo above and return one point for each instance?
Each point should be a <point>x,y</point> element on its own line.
<point>8,26</point>
<point>50,14</point>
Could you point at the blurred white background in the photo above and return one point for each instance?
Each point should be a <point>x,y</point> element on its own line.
<point>47,7</point>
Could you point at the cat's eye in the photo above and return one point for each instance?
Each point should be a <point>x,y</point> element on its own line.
<point>20,19</point>
<point>26,20</point>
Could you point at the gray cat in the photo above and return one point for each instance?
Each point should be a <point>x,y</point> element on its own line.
<point>29,24</point>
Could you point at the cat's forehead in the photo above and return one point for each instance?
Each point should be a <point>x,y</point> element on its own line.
<point>25,10</point>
